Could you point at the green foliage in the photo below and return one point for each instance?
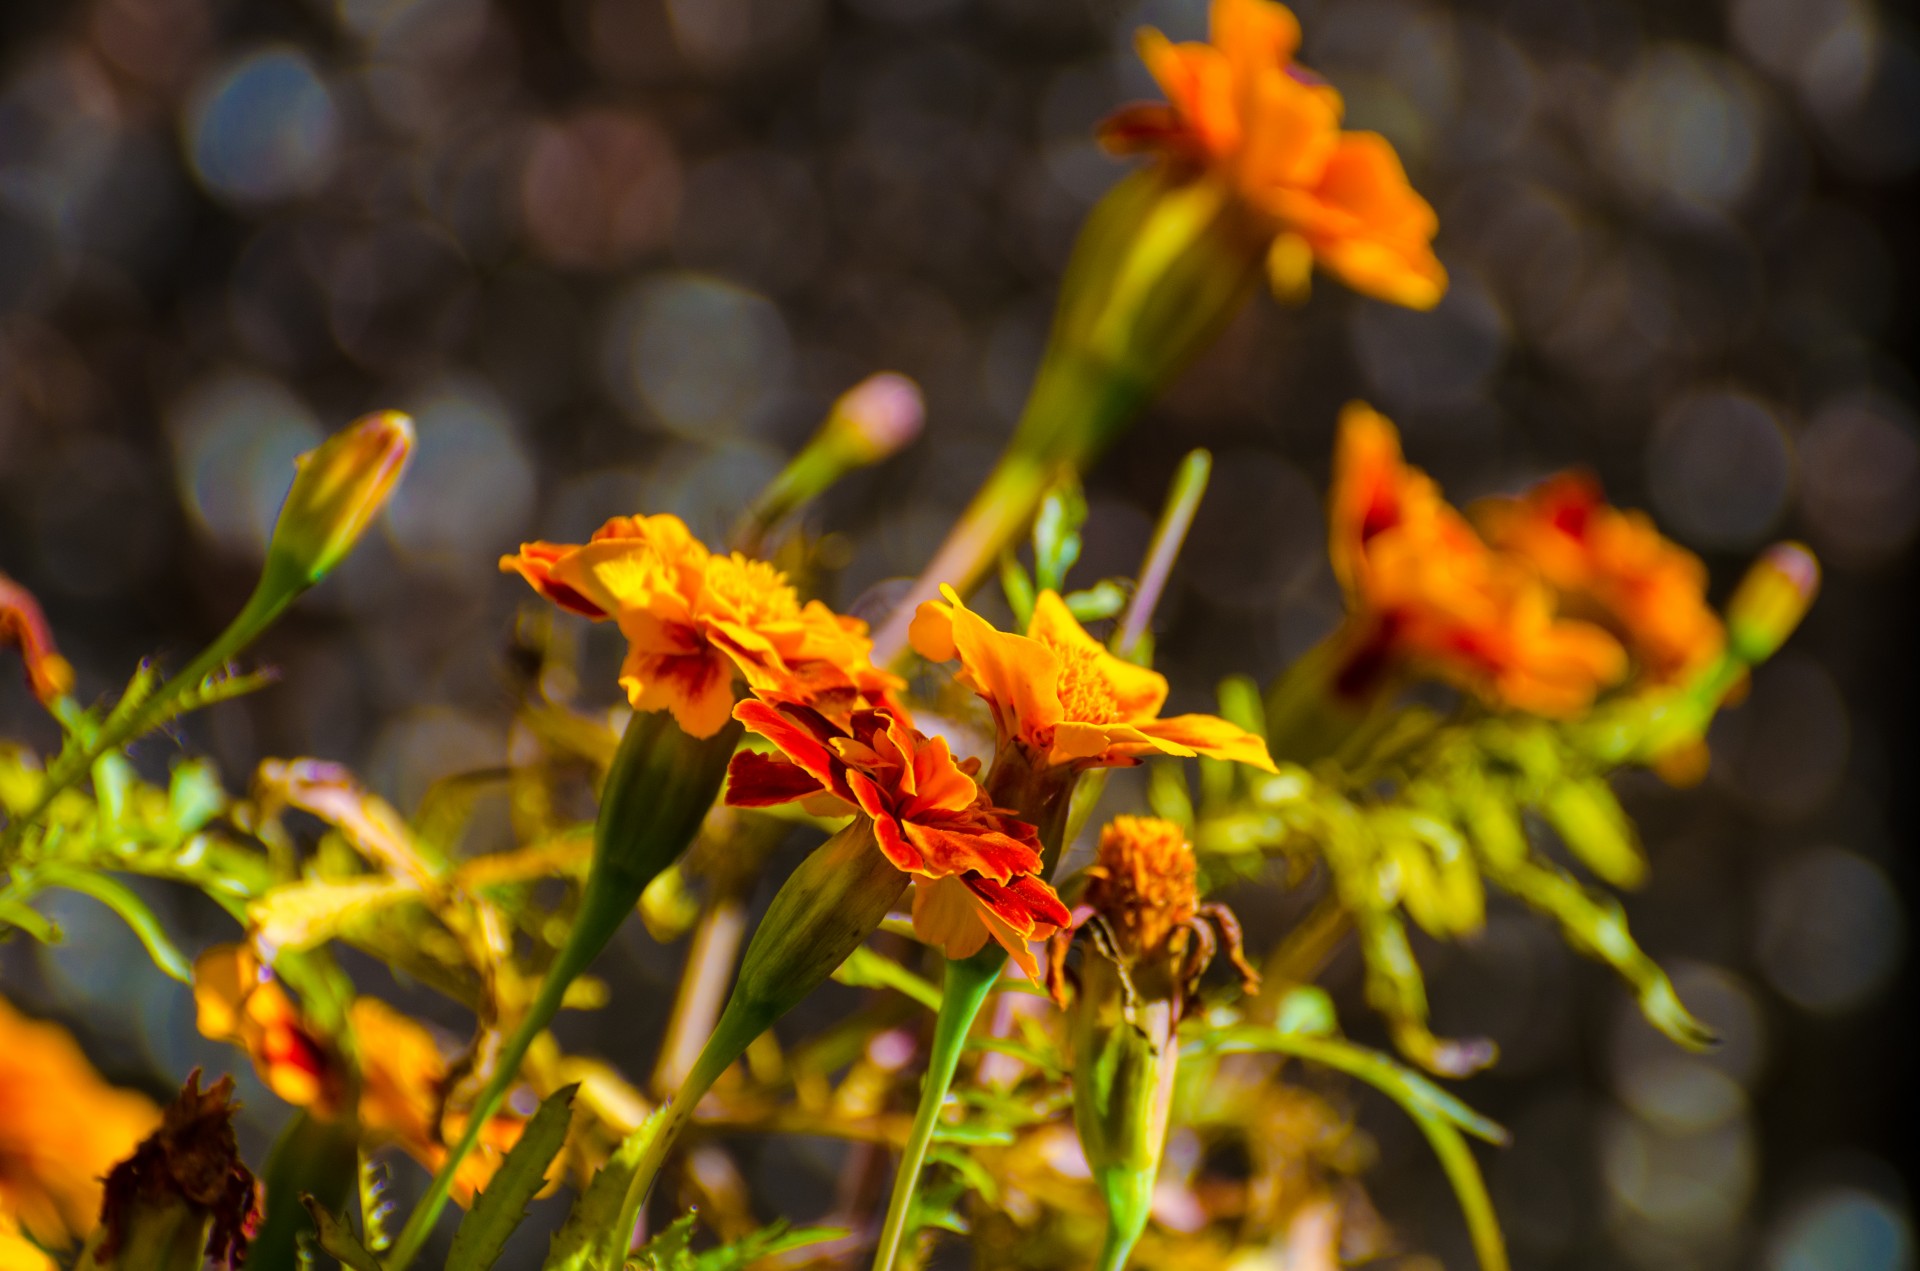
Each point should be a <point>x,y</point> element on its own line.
<point>671,1250</point>
<point>483,1233</point>
<point>591,1239</point>
<point>336,1237</point>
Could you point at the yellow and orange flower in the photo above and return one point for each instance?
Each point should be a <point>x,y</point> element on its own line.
<point>1426,590</point>
<point>24,626</point>
<point>1144,881</point>
<point>1058,694</point>
<point>1614,567</point>
<point>402,1074</point>
<point>975,867</point>
<point>61,1129</point>
<point>695,621</point>
<point>1239,106</point>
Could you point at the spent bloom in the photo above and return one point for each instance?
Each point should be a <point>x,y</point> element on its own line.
<point>696,621</point>
<point>402,1074</point>
<point>974,866</point>
<point>1613,567</point>
<point>61,1129</point>
<point>1239,106</point>
<point>1063,699</point>
<point>1426,590</point>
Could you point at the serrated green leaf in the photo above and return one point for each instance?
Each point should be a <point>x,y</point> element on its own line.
<point>337,1238</point>
<point>588,1240</point>
<point>774,1238</point>
<point>498,1210</point>
<point>667,1251</point>
<point>133,911</point>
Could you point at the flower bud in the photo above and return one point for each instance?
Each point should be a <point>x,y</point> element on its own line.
<point>184,1196</point>
<point>1771,600</point>
<point>1125,1059</point>
<point>831,902</point>
<point>870,421</point>
<point>24,626</point>
<point>340,486</point>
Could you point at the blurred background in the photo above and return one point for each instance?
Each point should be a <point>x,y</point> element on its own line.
<point>619,255</point>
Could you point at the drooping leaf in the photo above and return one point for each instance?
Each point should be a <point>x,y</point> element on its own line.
<point>498,1210</point>
<point>1440,1116</point>
<point>124,901</point>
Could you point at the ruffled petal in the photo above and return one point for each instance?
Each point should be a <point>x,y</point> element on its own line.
<point>1211,736</point>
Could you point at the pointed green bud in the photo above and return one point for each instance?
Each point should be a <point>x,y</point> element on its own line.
<point>1771,600</point>
<point>875,418</point>
<point>1125,1059</point>
<point>340,486</point>
<point>828,906</point>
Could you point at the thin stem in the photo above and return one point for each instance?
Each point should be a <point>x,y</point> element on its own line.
<point>583,945</point>
<point>270,598</point>
<point>704,981</point>
<point>1169,535</point>
<point>998,512</point>
<point>713,1061</point>
<point>968,983</point>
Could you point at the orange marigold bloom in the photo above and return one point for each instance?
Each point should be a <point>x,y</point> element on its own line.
<point>402,1073</point>
<point>1144,882</point>
<point>61,1129</point>
<point>974,865</point>
<point>1241,107</point>
<point>1061,696</point>
<point>1614,567</point>
<point>24,626</point>
<point>1425,588</point>
<point>695,620</point>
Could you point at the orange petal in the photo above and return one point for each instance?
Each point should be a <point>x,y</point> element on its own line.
<point>1212,737</point>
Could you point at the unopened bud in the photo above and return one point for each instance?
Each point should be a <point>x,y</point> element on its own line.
<point>340,486</point>
<point>875,418</point>
<point>184,1197</point>
<point>24,626</point>
<point>1771,600</point>
<point>868,422</point>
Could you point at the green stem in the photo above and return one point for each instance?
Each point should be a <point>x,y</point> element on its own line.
<point>969,980</point>
<point>1129,1195</point>
<point>271,596</point>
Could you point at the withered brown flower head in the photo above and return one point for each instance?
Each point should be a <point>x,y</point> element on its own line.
<point>192,1159</point>
<point>1144,882</point>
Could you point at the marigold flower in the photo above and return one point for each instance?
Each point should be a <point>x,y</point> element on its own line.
<point>695,621</point>
<point>1239,106</point>
<point>974,865</point>
<point>1426,589</point>
<point>1614,567</point>
<point>402,1074</point>
<point>1060,695</point>
<point>24,626</point>
<point>61,1129</point>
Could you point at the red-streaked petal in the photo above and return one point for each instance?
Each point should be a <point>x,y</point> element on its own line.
<point>756,780</point>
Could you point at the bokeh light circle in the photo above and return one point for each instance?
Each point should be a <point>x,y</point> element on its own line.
<point>1720,469</point>
<point>263,128</point>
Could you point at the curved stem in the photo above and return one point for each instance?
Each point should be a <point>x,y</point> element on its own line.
<point>967,985</point>
<point>583,945</point>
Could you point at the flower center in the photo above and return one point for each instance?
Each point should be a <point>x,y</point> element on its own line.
<point>1086,695</point>
<point>753,590</point>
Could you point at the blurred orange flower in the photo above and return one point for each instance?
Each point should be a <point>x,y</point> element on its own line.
<point>974,865</point>
<point>61,1129</point>
<point>1241,107</point>
<point>24,626</point>
<point>1614,567</point>
<point>402,1073</point>
<point>1426,589</point>
<point>695,620</point>
<point>1057,692</point>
